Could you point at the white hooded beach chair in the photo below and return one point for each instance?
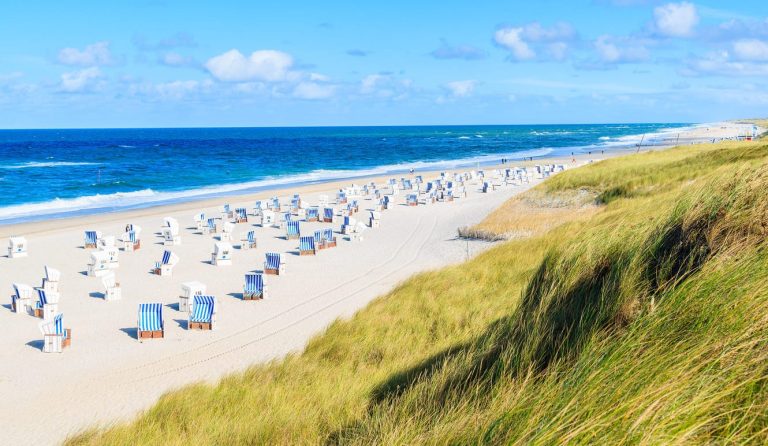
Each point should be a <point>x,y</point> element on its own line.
<point>130,241</point>
<point>47,305</point>
<point>51,280</point>
<point>55,336</point>
<point>199,220</point>
<point>375,219</point>
<point>255,287</point>
<point>99,264</point>
<point>17,247</point>
<point>267,218</point>
<point>222,254</point>
<point>165,266</point>
<point>273,265</point>
<point>170,232</point>
<point>227,231</point>
<point>150,322</point>
<point>348,226</point>
<point>21,299</point>
<point>112,253</point>
<point>188,291</point>
<point>112,289</point>
<point>202,313</point>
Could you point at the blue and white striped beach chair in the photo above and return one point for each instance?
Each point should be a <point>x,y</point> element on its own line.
<point>341,197</point>
<point>249,242</point>
<point>313,214</point>
<point>21,299</point>
<point>307,246</point>
<point>328,215</point>
<point>165,266</point>
<point>412,200</point>
<point>228,213</point>
<point>318,236</point>
<point>241,215</point>
<point>202,314</point>
<point>254,287</point>
<point>199,220</point>
<point>91,239</point>
<point>211,226</point>
<point>385,202</point>
<point>150,323</point>
<point>276,204</point>
<point>329,239</point>
<point>273,264</point>
<point>55,336</point>
<point>47,305</point>
<point>295,204</point>
<point>292,230</point>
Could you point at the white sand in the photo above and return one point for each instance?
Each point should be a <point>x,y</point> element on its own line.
<point>107,375</point>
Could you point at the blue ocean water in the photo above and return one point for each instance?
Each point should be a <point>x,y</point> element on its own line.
<point>51,173</point>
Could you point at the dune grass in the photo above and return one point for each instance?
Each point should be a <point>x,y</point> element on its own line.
<point>641,323</point>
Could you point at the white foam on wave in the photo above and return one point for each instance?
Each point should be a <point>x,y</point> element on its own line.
<point>37,164</point>
<point>149,197</point>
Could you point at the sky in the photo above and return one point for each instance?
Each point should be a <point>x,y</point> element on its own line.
<point>163,63</point>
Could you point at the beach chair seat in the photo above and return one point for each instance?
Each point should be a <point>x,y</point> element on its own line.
<point>165,266</point>
<point>274,265</point>
<point>188,291</point>
<point>47,305</point>
<point>292,230</point>
<point>202,313</point>
<point>17,247</point>
<point>222,254</point>
<point>150,322</point>
<point>255,287</point>
<point>249,242</point>
<point>312,215</point>
<point>55,337</point>
<point>307,246</point>
<point>21,299</point>
<point>112,289</point>
<point>91,239</point>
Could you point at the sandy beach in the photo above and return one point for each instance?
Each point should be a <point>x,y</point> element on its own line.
<point>107,375</point>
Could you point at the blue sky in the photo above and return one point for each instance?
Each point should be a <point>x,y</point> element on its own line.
<point>202,63</point>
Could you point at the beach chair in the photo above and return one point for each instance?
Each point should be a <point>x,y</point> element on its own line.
<point>348,226</point>
<point>241,215</point>
<point>47,305</point>
<point>295,204</point>
<point>385,203</point>
<point>170,232</point>
<point>329,239</point>
<point>249,242</point>
<point>273,265</point>
<point>267,218</point>
<point>255,287</point>
<point>188,291</point>
<point>222,254</point>
<point>292,230</point>
<point>341,198</point>
<point>17,247</point>
<point>99,264</point>
<point>227,212</point>
<point>412,200</point>
<point>130,241</point>
<point>210,226</point>
<point>55,336</point>
<point>227,231</point>
<point>51,280</point>
<point>165,266</point>
<point>21,299</point>
<point>375,219</point>
<point>199,220</point>
<point>91,239</point>
<point>318,236</point>
<point>112,289</point>
<point>356,233</point>
<point>202,313</point>
<point>275,204</point>
<point>313,214</point>
<point>150,322</point>
<point>307,246</point>
<point>328,214</point>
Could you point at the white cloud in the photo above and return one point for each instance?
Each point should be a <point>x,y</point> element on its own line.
<point>612,51</point>
<point>80,81</point>
<point>263,65</point>
<point>386,86</point>
<point>511,39</point>
<point>461,89</point>
<point>95,54</point>
<point>722,63</point>
<point>526,42</point>
<point>750,50</point>
<point>676,19</point>
<point>173,59</point>
<point>313,90</point>
<point>369,83</point>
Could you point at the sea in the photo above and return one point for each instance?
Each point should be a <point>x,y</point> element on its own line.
<point>48,174</point>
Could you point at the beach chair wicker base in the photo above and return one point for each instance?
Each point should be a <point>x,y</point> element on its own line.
<point>199,325</point>
<point>329,244</point>
<point>150,334</point>
<point>272,271</point>
<point>253,296</point>
<point>241,220</point>
<point>37,312</point>
<point>413,204</point>
<point>67,339</point>
<point>311,219</point>
<point>292,237</point>
<point>327,220</point>
<point>306,253</point>
<point>90,245</point>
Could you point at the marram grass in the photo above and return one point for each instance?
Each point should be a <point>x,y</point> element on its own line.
<point>645,322</point>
